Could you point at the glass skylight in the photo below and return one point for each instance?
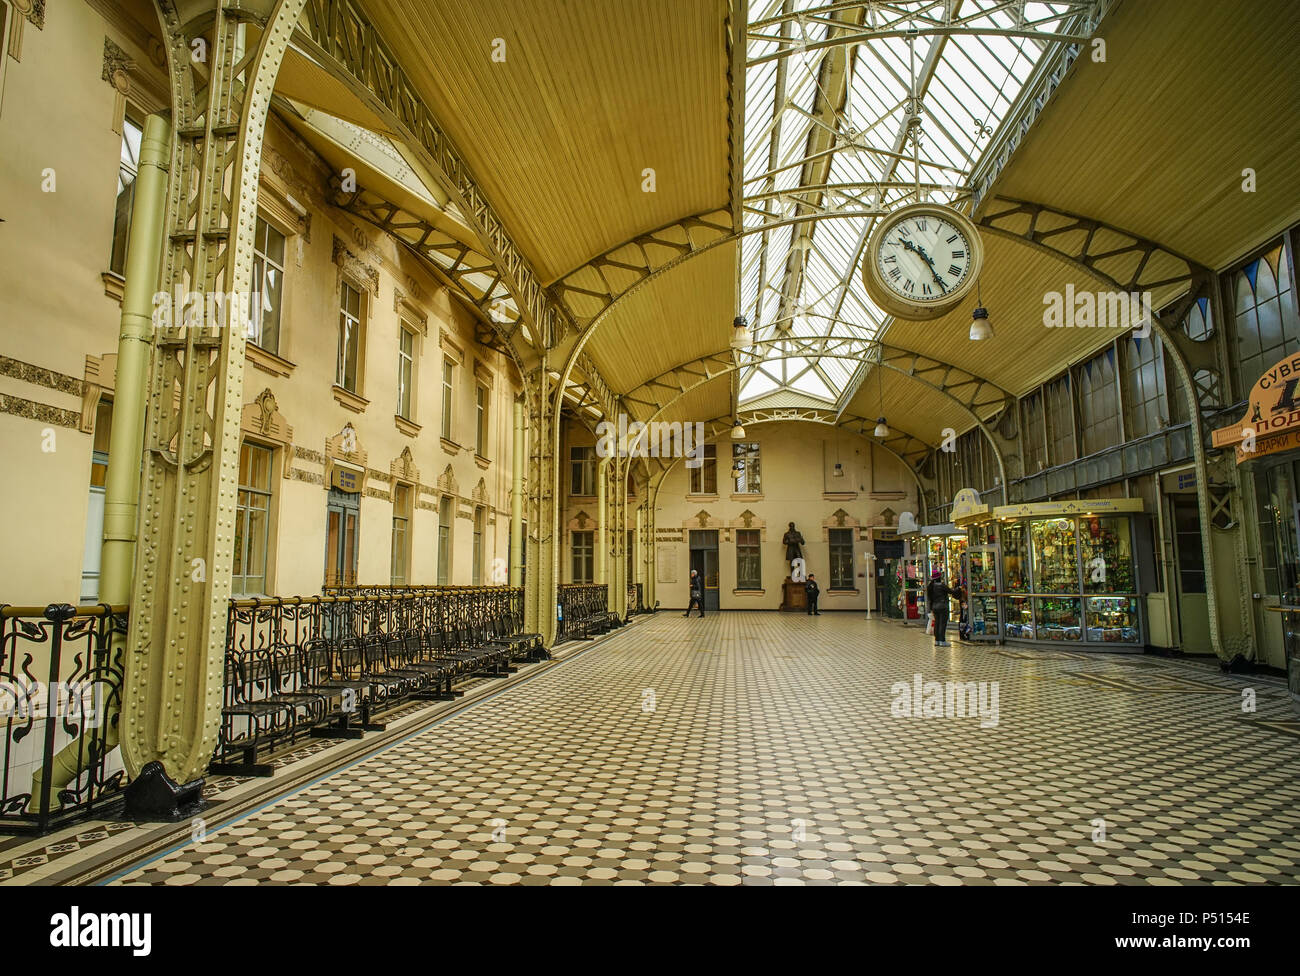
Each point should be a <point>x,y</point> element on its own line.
<point>814,144</point>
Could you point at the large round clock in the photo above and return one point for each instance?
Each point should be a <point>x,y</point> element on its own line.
<point>922,260</point>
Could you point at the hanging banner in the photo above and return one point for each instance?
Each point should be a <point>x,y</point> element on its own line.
<point>1273,408</point>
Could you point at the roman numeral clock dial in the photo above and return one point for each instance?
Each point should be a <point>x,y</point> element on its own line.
<point>922,260</point>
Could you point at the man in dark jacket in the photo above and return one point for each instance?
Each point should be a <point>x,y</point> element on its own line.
<point>937,594</point>
<point>811,588</point>
<point>697,594</point>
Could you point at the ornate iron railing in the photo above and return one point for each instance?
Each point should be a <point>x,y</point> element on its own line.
<point>327,665</point>
<point>583,608</point>
<point>635,600</point>
<point>60,693</point>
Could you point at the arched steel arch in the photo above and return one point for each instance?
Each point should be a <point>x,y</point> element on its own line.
<point>1105,252</point>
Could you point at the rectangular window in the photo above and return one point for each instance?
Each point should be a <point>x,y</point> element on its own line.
<point>1146,408</point>
<point>444,540</point>
<point>448,395</point>
<point>342,531</point>
<point>95,509</point>
<point>1033,437</point>
<point>348,372</point>
<point>405,373</point>
<point>1098,403</point>
<point>481,421</point>
<point>401,533</point>
<point>841,541</point>
<point>1060,421</point>
<point>746,469</point>
<point>749,560</point>
<point>252,521</point>
<point>583,557</point>
<point>127,168</point>
<point>1263,313</point>
<point>704,479</point>
<point>267,286</point>
<point>478,547</point>
<point>582,470</point>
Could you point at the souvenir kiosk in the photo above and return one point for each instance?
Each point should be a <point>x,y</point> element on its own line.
<point>979,573</point>
<point>1068,572</point>
<point>908,578</point>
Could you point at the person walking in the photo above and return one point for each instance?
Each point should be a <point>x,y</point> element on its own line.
<point>937,595</point>
<point>697,594</point>
<point>811,589</point>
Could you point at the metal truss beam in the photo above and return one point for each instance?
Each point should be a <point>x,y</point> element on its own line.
<point>589,290</point>
<point>340,37</point>
<point>463,269</point>
<point>894,20</point>
<point>980,397</point>
<point>1127,262</point>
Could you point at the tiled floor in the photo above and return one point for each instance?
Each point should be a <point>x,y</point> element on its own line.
<point>753,748</point>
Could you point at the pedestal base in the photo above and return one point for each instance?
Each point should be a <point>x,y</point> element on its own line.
<point>154,796</point>
<point>793,597</point>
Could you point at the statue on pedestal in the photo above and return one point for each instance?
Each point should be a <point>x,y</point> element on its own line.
<point>793,543</point>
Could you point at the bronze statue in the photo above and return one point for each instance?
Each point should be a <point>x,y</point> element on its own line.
<point>793,543</point>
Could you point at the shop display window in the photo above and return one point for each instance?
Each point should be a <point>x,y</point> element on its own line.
<point>954,572</point>
<point>1106,545</point>
<point>1113,618</point>
<point>983,572</point>
<point>984,616</point>
<point>1015,558</point>
<point>1020,617</point>
<point>1055,557</point>
<point>1059,618</point>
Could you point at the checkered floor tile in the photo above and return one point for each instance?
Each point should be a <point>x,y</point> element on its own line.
<point>758,748</point>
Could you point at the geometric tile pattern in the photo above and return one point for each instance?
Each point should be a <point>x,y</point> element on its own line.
<point>761,749</point>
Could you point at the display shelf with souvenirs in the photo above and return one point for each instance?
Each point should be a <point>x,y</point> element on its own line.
<point>1084,561</point>
<point>1059,618</point>
<point>984,617</point>
<point>1106,551</point>
<point>1113,619</point>
<point>911,588</point>
<point>1055,555</point>
<point>1015,557</point>
<point>1018,612</point>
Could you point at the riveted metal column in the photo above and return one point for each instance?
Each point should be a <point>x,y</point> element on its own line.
<point>601,547</point>
<point>543,511</point>
<point>517,495</point>
<point>172,690</point>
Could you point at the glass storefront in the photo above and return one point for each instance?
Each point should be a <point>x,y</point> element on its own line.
<point>1065,577</point>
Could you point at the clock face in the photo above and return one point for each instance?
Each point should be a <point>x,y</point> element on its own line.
<point>924,258</point>
<point>922,261</point>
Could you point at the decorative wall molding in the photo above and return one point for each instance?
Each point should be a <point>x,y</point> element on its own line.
<point>33,11</point>
<point>480,492</point>
<point>702,520</point>
<point>581,522</point>
<point>337,450</point>
<point>40,412</point>
<point>101,376</point>
<point>452,345</point>
<point>353,267</point>
<point>748,520</point>
<point>403,468</point>
<point>262,419</point>
<point>409,311</point>
<point>484,373</point>
<point>838,519</point>
<point>447,482</point>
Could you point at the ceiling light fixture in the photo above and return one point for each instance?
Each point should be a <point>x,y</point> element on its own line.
<point>741,338</point>
<point>980,327</point>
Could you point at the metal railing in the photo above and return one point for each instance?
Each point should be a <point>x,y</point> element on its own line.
<point>327,665</point>
<point>60,694</point>
<point>583,609</point>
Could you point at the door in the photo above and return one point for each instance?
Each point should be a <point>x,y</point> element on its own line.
<point>704,560</point>
<point>1189,560</point>
<point>342,515</point>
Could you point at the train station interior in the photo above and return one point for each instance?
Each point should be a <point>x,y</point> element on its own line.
<point>1018,278</point>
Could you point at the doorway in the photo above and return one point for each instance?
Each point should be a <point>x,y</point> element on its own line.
<point>342,513</point>
<point>704,560</point>
<point>1189,577</point>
